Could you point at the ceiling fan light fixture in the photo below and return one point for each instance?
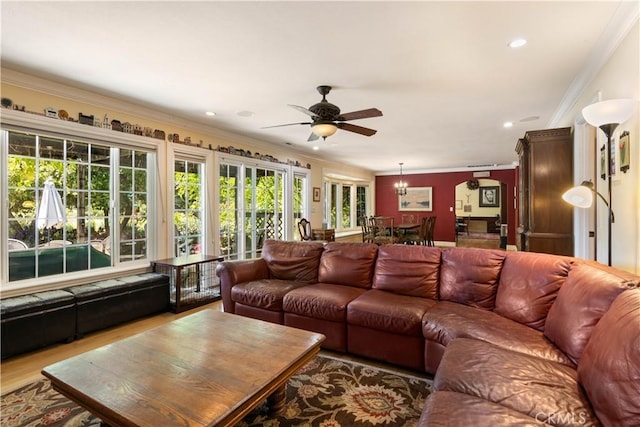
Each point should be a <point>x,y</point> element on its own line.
<point>324,129</point>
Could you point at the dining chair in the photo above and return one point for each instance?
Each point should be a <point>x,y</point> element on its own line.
<point>367,230</point>
<point>409,219</point>
<point>384,230</point>
<point>431,226</point>
<point>462,225</point>
<point>304,228</point>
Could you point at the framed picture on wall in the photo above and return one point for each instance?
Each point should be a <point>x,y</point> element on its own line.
<point>316,194</point>
<point>489,197</point>
<point>416,199</point>
<point>458,204</point>
<point>624,151</point>
<point>603,162</point>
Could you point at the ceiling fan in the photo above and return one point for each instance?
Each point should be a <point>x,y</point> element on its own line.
<point>326,118</point>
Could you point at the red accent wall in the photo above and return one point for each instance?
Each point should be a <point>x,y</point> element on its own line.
<point>444,193</point>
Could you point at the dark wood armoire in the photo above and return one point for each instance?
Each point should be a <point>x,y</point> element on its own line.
<point>545,173</point>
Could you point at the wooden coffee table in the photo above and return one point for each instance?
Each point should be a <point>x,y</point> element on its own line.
<point>209,368</point>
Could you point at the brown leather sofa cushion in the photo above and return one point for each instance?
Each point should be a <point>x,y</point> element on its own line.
<point>470,276</point>
<point>542,389</point>
<point>349,264</point>
<point>448,408</point>
<point>609,369</point>
<point>321,301</point>
<point>266,294</point>
<point>529,284</point>
<point>581,302</point>
<point>408,270</point>
<point>292,260</point>
<point>446,321</point>
<point>386,311</point>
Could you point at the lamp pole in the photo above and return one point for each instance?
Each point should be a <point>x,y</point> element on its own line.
<point>608,130</point>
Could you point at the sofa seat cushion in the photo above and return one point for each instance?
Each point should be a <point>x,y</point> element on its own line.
<point>586,295</point>
<point>387,311</point>
<point>266,294</point>
<point>321,301</point>
<point>544,390</point>
<point>446,321</point>
<point>451,409</point>
<point>609,369</point>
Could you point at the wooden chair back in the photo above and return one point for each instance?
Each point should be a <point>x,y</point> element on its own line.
<point>367,230</point>
<point>384,230</point>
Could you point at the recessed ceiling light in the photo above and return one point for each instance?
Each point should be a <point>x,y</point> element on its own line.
<point>508,124</point>
<point>316,148</point>
<point>515,43</point>
<point>210,113</point>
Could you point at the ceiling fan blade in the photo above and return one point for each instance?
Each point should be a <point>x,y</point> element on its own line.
<point>288,124</point>
<point>312,137</point>
<point>303,110</point>
<point>362,114</point>
<point>357,129</point>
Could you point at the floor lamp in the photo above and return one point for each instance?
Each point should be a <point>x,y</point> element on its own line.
<point>606,115</point>
<point>581,196</point>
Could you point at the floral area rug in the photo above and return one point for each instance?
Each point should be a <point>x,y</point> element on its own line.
<point>326,392</point>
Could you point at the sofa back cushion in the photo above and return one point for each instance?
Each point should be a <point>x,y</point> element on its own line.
<point>470,276</point>
<point>609,370</point>
<point>292,260</point>
<point>583,299</point>
<point>529,284</point>
<point>408,270</point>
<point>349,264</point>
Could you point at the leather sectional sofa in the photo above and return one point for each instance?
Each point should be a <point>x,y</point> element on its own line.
<point>512,338</point>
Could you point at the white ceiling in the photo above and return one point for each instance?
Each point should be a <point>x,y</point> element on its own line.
<point>440,72</point>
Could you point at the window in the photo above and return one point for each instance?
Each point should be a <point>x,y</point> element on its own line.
<point>75,205</point>
<point>344,203</point>
<point>188,215</point>
<point>258,201</point>
<point>300,201</point>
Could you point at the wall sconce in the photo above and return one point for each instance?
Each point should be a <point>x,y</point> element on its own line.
<point>581,196</point>
<point>400,186</point>
<point>605,115</point>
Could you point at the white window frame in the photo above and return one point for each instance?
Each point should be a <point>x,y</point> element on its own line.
<point>328,182</point>
<point>288,215</point>
<point>29,123</point>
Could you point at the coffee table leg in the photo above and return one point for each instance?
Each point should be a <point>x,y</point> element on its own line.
<point>276,401</point>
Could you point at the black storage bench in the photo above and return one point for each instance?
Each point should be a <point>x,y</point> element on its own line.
<point>36,320</point>
<point>107,303</point>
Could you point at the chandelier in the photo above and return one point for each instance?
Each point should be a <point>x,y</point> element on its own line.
<point>401,186</point>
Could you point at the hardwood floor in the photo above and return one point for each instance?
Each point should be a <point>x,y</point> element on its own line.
<point>23,369</point>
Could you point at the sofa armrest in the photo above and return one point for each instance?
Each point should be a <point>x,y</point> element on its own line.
<point>233,272</point>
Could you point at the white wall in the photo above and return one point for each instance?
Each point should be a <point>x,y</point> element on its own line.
<point>618,78</point>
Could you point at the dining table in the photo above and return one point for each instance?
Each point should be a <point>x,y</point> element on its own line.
<point>404,231</point>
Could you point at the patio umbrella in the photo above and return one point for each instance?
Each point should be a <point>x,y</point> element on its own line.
<point>51,210</point>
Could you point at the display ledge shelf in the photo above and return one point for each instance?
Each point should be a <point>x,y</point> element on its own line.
<point>29,122</point>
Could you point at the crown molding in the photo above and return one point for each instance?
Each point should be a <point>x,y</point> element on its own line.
<point>626,16</point>
<point>452,169</point>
